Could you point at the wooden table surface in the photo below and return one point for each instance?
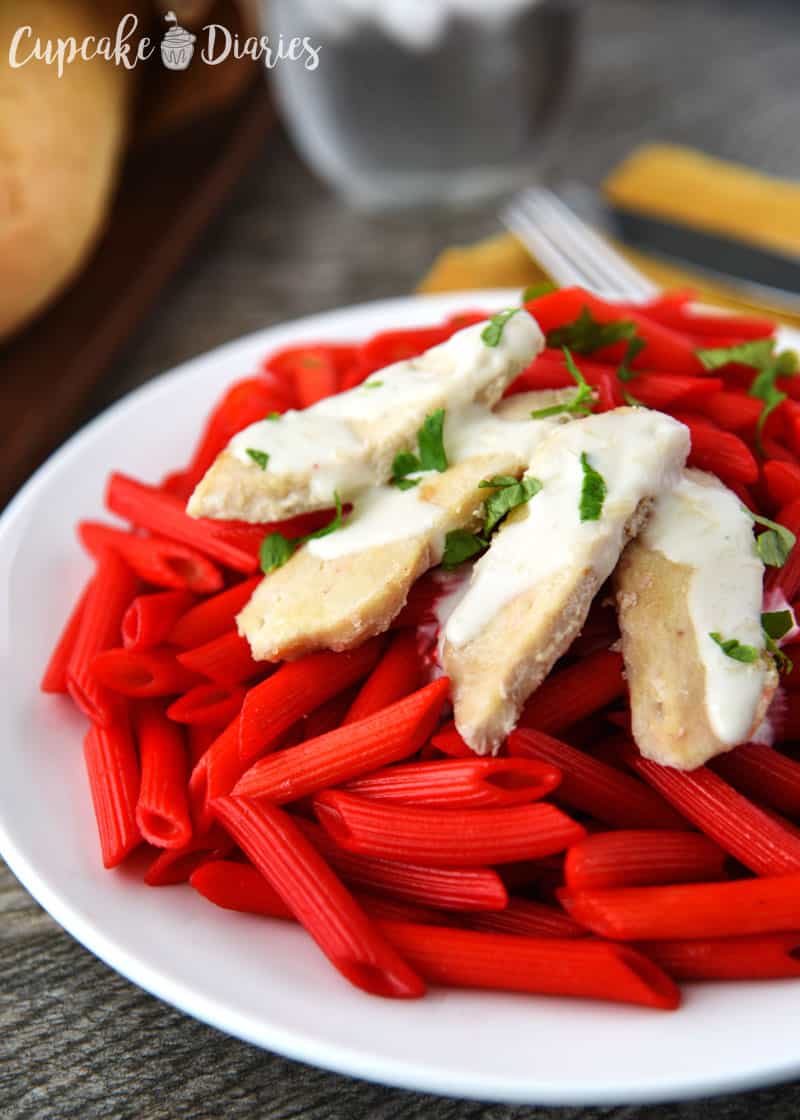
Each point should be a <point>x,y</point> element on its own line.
<point>75,1038</point>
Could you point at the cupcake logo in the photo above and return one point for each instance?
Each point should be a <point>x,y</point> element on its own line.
<point>177,46</point>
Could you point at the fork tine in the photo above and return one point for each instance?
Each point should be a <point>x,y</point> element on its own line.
<point>583,264</point>
<point>569,250</point>
<point>613,264</point>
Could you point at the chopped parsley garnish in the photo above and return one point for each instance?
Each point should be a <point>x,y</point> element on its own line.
<point>493,331</point>
<point>273,416</point>
<point>735,649</point>
<point>533,291</point>
<point>276,549</point>
<point>783,663</point>
<point>508,495</point>
<point>373,384</point>
<point>432,455</point>
<point>633,401</point>
<point>775,545</point>
<point>635,347</point>
<point>460,545</point>
<point>261,458</point>
<point>593,491</point>
<point>585,334</point>
<point>578,406</point>
<point>777,624</point>
<point>757,353</point>
<point>760,354</point>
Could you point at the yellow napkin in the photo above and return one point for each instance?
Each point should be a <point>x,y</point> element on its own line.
<point>669,182</point>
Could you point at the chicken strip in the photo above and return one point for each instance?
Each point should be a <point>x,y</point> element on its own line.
<point>694,571</point>
<point>530,594</point>
<point>339,590</point>
<point>347,442</point>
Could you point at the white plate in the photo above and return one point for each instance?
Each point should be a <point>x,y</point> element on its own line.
<point>265,981</point>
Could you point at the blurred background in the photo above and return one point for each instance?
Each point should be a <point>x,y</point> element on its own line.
<point>226,183</point>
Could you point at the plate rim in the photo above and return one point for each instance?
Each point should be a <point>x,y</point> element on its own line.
<point>342,1059</point>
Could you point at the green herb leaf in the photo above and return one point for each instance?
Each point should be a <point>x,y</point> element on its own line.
<point>373,384</point>
<point>498,480</point>
<point>259,457</point>
<point>533,291</point>
<point>274,551</point>
<point>759,353</point>
<point>432,455</point>
<point>783,663</point>
<point>406,483</point>
<point>577,405</point>
<point>585,334</point>
<point>633,401</point>
<point>507,498</point>
<point>777,624</point>
<point>493,331</point>
<point>332,526</point>
<point>635,347</point>
<point>593,492</point>
<point>459,545</point>
<point>735,649</point>
<point>273,416</point>
<point>775,545</point>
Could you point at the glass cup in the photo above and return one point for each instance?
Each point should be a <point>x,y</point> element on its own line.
<point>424,101</point>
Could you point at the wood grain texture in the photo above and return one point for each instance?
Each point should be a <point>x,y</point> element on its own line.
<point>76,1040</point>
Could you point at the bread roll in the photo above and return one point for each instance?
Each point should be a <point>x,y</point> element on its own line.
<point>61,140</point>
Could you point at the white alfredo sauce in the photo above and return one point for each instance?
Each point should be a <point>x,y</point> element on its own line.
<point>330,441</point>
<point>702,525</point>
<point>639,453</point>
<point>382,515</point>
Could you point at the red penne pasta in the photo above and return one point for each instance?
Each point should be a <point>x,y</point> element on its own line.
<point>782,482</point>
<point>149,618</point>
<point>449,742</point>
<point>111,592</point>
<point>54,678</point>
<point>162,809</point>
<point>226,660</point>
<point>444,888</point>
<point>664,391</point>
<point>327,717</point>
<point>214,704</point>
<point>647,857</point>
<point>527,919</point>
<point>764,774</point>
<point>238,886</point>
<point>200,736</point>
<point>156,560</point>
<point>441,838</point>
<point>735,412</point>
<point>721,453</point>
<point>215,774</point>
<point>683,317</point>
<point>143,674</point>
<point>149,508</point>
<point>471,784</point>
<point>757,840</point>
<point>397,673</point>
<point>732,909</point>
<point>213,617</point>
<point>591,786</point>
<point>175,865</point>
<point>575,692</point>
<point>113,770</point>
<point>297,688</point>
<point>311,371</point>
<point>317,898</point>
<point>244,403</point>
<point>543,966</point>
<point>770,956</point>
<point>390,735</point>
<point>787,578</point>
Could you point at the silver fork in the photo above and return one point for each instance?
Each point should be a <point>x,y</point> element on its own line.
<point>569,250</point>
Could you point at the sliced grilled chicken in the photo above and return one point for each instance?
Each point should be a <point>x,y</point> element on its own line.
<point>347,442</point>
<point>531,592</point>
<point>337,591</point>
<point>694,571</point>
